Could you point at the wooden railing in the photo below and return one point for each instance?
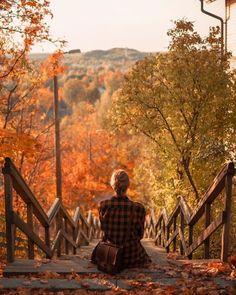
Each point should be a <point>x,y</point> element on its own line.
<point>63,234</point>
<point>165,229</point>
<point>69,233</point>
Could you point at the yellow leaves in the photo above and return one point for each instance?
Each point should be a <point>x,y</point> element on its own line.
<point>172,98</point>
<point>215,268</point>
<point>31,3</point>
<point>232,261</point>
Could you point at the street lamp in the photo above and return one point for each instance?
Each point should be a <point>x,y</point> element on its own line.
<point>57,140</point>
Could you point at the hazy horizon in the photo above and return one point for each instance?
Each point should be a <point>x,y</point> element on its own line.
<point>136,24</point>
<point>128,48</point>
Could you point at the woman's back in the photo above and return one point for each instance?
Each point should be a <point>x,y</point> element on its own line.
<point>122,222</point>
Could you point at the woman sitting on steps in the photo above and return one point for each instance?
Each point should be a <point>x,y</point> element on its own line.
<point>122,222</point>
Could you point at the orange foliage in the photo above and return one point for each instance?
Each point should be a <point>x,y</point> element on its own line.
<point>52,66</point>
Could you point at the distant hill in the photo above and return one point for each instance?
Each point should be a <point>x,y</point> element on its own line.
<point>114,54</point>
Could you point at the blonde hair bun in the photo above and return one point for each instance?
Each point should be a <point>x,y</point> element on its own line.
<point>120,181</point>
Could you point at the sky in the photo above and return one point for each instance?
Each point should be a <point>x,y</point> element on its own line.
<point>138,24</point>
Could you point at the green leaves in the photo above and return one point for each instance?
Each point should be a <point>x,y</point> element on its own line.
<point>182,101</point>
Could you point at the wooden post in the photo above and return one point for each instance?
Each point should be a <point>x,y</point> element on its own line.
<point>227,214</point>
<point>90,223</point>
<point>154,233</point>
<point>74,238</point>
<point>30,224</point>
<point>10,233</point>
<point>66,242</point>
<point>162,221</point>
<point>58,157</point>
<point>174,242</point>
<point>167,238</point>
<point>207,223</point>
<point>164,233</point>
<point>47,238</point>
<point>182,229</point>
<point>190,239</point>
<point>95,228</point>
<point>57,140</point>
<point>58,227</point>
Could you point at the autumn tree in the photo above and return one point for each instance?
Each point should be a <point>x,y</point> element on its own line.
<point>22,23</point>
<point>183,102</point>
<point>23,128</point>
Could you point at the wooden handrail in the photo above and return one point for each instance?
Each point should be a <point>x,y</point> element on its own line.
<point>73,232</point>
<point>166,231</point>
<point>23,190</point>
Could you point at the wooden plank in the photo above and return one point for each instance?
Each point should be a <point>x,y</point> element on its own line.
<point>47,237</point>
<point>167,238</point>
<point>185,209</point>
<point>24,191</point>
<point>152,232</point>
<point>206,233</point>
<point>65,266</point>
<point>66,231</point>
<point>26,194</point>
<point>209,197</point>
<point>54,210</point>
<point>10,236</point>
<point>226,227</point>
<point>83,219</point>
<point>190,238</point>
<point>58,228</point>
<point>68,238</point>
<point>174,224</point>
<point>183,244</point>
<point>66,215</point>
<point>207,223</point>
<point>153,217</point>
<point>57,240</point>
<point>174,235</point>
<point>30,225</point>
<point>182,225</point>
<point>162,224</point>
<point>157,236</point>
<point>165,216</point>
<point>76,215</point>
<point>74,238</point>
<point>174,214</point>
<point>91,225</point>
<point>81,237</point>
<point>213,191</point>
<point>27,231</point>
<point>90,218</point>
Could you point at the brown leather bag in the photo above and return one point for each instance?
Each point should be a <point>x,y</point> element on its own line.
<point>108,257</point>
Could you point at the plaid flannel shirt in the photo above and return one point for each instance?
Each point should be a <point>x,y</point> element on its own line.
<point>122,223</point>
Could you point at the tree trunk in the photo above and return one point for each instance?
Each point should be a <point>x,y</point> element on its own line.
<point>190,178</point>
